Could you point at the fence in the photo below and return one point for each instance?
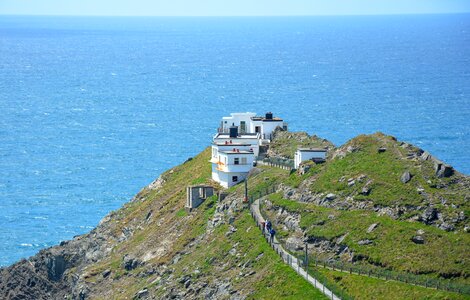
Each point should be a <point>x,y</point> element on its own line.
<point>379,273</point>
<point>257,194</point>
<point>385,274</point>
<point>283,163</point>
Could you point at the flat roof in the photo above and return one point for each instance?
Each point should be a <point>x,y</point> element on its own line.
<point>236,152</point>
<point>240,114</point>
<point>263,119</point>
<point>312,149</point>
<point>232,144</point>
<point>242,136</point>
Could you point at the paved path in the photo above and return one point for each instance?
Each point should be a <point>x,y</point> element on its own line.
<point>287,257</point>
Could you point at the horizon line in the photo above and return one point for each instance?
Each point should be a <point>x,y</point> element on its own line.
<point>237,16</point>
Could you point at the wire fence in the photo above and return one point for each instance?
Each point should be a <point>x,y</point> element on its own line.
<point>385,274</point>
<point>375,272</point>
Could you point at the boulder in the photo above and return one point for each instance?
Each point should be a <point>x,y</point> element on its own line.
<point>381,149</point>
<point>365,190</point>
<point>405,177</point>
<point>330,196</point>
<point>304,168</point>
<point>106,273</point>
<point>142,294</point>
<point>447,227</point>
<point>372,227</point>
<point>418,239</point>
<point>365,242</point>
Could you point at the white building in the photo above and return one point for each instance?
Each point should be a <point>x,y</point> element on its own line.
<point>246,142</point>
<point>304,154</point>
<point>236,145</point>
<point>231,166</point>
<point>249,123</point>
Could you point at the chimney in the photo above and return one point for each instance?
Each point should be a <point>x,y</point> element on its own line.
<point>269,116</point>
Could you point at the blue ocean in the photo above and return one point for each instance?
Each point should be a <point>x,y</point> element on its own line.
<point>94,108</point>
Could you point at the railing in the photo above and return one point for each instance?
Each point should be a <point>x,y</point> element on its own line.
<point>283,163</point>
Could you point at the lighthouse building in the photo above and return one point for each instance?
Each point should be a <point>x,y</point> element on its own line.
<point>236,145</point>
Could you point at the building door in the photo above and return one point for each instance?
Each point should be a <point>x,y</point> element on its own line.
<point>242,127</point>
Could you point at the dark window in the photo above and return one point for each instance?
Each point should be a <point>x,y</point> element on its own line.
<point>242,126</point>
<point>234,178</point>
<point>257,129</point>
<point>236,161</point>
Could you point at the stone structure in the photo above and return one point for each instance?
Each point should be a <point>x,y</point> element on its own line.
<point>196,194</point>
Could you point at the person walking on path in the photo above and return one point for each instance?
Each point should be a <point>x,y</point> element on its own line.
<point>263,226</point>
<point>268,225</point>
<point>272,232</point>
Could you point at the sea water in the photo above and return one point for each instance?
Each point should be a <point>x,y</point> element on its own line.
<point>93,109</point>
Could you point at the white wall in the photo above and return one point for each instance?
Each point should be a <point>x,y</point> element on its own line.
<point>301,156</point>
<point>268,128</point>
<point>236,118</point>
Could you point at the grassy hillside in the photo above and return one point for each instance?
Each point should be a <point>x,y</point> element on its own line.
<point>174,246</point>
<point>286,143</point>
<point>336,204</point>
<point>355,209</point>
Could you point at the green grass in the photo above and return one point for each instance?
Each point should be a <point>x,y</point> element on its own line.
<point>362,287</point>
<point>181,213</point>
<point>286,143</point>
<point>443,253</point>
<point>272,278</point>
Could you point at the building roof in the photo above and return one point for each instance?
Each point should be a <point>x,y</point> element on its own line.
<point>242,136</point>
<point>263,119</point>
<point>236,152</point>
<point>312,149</point>
<point>232,144</point>
<point>239,114</point>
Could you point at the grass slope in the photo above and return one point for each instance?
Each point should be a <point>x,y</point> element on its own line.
<point>362,287</point>
<point>164,231</point>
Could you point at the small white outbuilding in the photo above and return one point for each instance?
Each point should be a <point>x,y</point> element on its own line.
<point>304,154</point>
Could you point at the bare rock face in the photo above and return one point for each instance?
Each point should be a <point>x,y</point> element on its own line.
<point>429,215</point>
<point>443,170</point>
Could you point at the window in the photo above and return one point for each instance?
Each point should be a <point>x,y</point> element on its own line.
<point>257,129</point>
<point>242,126</point>
<point>234,178</point>
<point>243,160</point>
<point>236,161</point>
